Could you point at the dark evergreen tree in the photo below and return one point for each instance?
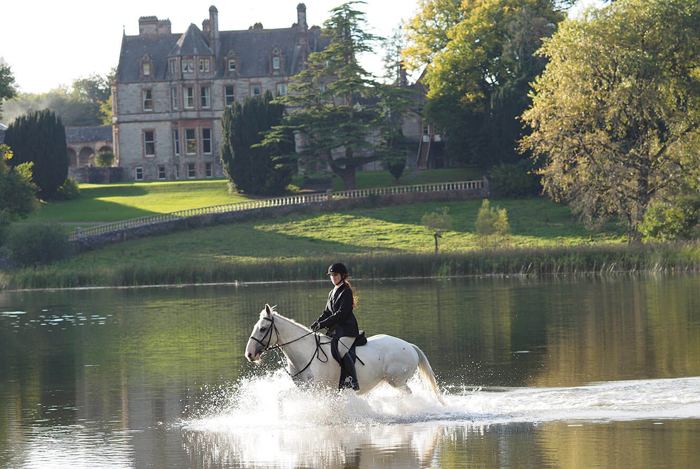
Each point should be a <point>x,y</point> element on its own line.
<point>40,138</point>
<point>252,168</point>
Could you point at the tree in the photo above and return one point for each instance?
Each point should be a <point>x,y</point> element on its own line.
<point>104,158</point>
<point>341,113</point>
<point>7,84</point>
<point>479,58</point>
<point>253,168</point>
<point>438,223</point>
<point>17,192</point>
<point>40,138</point>
<point>615,115</point>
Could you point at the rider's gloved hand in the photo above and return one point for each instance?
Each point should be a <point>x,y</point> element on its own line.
<point>315,327</point>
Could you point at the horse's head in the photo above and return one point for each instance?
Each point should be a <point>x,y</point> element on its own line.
<point>264,335</point>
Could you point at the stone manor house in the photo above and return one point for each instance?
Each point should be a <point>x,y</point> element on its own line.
<point>171,90</point>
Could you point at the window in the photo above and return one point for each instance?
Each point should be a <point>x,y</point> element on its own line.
<point>187,65</point>
<point>281,89</point>
<point>229,95</point>
<point>173,98</point>
<point>203,65</point>
<point>206,141</point>
<point>190,142</point>
<point>138,173</point>
<point>205,97</point>
<point>209,170</point>
<point>275,63</point>
<point>161,172</point>
<point>189,97</point>
<point>147,100</point>
<point>191,172</point>
<point>173,66</point>
<point>146,69</point>
<point>256,90</point>
<point>149,143</point>
<point>176,141</point>
<point>177,172</point>
<point>232,65</point>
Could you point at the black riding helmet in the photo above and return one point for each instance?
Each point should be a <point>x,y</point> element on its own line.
<point>337,268</point>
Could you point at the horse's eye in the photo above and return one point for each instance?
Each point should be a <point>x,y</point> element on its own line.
<point>263,329</point>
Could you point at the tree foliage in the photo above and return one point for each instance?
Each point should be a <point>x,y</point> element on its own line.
<point>86,103</point>
<point>7,84</point>
<point>253,168</point>
<point>438,223</point>
<point>480,59</point>
<point>492,221</point>
<point>17,192</point>
<point>40,138</point>
<point>344,117</point>
<point>615,115</point>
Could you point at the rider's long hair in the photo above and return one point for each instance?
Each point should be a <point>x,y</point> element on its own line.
<point>352,290</point>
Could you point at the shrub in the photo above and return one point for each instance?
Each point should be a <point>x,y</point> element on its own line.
<point>104,158</point>
<point>514,181</point>
<point>665,221</point>
<point>492,221</point>
<point>34,244</point>
<point>437,223</point>
<point>69,190</point>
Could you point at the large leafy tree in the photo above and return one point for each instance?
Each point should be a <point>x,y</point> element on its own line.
<point>253,168</point>
<point>616,113</point>
<point>344,117</point>
<point>40,138</point>
<point>17,192</point>
<point>479,58</point>
<point>7,84</point>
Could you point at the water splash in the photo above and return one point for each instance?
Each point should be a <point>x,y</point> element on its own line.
<point>267,422</point>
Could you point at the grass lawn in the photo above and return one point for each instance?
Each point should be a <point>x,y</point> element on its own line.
<point>126,200</point>
<point>398,229</point>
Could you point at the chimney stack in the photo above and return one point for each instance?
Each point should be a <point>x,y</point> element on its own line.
<point>214,30</point>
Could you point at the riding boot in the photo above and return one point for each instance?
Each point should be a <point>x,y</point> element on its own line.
<point>349,365</point>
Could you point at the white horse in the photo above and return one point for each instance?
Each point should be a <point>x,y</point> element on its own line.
<point>384,358</point>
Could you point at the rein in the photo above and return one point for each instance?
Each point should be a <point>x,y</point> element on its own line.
<point>266,347</point>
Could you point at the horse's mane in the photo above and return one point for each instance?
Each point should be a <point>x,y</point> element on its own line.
<point>263,314</point>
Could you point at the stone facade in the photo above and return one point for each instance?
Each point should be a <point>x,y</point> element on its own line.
<point>171,90</point>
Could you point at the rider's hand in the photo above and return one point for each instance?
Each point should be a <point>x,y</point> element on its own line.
<point>315,327</point>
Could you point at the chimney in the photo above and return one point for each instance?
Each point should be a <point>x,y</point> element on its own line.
<point>214,30</point>
<point>164,28</point>
<point>148,26</point>
<point>302,36</point>
<point>403,80</point>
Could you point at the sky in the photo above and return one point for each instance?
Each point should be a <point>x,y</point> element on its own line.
<point>48,43</point>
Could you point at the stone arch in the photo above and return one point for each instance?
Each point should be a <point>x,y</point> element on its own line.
<point>86,156</point>
<point>72,158</point>
<point>105,148</point>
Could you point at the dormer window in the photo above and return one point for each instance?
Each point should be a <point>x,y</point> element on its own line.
<point>146,69</point>
<point>276,61</point>
<point>204,65</point>
<point>231,63</point>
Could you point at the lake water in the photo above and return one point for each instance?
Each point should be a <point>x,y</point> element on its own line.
<point>560,372</point>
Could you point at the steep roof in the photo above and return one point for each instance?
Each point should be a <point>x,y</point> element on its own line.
<point>89,134</point>
<point>193,42</point>
<point>253,48</point>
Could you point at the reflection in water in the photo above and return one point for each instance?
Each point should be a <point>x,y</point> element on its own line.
<point>264,425</point>
<point>561,372</point>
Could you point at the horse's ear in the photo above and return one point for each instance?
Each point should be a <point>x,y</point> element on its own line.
<point>268,310</point>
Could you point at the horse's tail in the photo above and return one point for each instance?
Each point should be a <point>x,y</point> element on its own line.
<point>426,373</point>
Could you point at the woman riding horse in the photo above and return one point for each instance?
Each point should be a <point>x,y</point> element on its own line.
<point>340,321</point>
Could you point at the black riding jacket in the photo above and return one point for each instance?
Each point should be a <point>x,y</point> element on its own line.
<point>338,317</point>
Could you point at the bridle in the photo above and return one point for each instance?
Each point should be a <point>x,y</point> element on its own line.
<point>268,336</point>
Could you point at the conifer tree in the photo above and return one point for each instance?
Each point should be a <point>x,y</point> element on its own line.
<point>344,117</point>
<point>252,168</point>
<point>40,138</point>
